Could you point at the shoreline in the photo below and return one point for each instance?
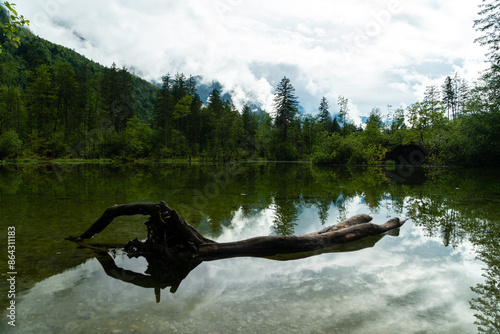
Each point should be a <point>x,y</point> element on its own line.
<point>201,161</point>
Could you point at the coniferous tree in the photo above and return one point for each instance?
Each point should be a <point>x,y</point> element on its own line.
<point>463,94</point>
<point>250,125</point>
<point>335,125</point>
<point>194,127</point>
<point>263,134</point>
<point>215,103</point>
<point>65,86</point>
<point>215,110</point>
<point>42,101</point>
<point>164,107</point>
<point>117,96</point>
<point>449,95</point>
<point>11,101</point>
<point>180,87</point>
<point>285,107</point>
<point>124,109</point>
<point>432,99</point>
<point>246,115</point>
<point>324,115</point>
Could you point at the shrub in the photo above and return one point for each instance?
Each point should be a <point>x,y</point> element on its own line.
<point>10,144</point>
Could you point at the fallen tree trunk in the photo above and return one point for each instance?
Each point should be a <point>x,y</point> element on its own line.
<point>268,246</point>
<point>170,236</point>
<point>173,248</point>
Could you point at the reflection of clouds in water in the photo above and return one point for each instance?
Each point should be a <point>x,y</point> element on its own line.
<point>404,283</point>
<point>243,227</point>
<point>380,287</point>
<point>261,223</point>
<point>72,277</point>
<point>465,250</point>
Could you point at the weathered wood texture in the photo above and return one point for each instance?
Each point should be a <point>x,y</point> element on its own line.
<point>170,236</point>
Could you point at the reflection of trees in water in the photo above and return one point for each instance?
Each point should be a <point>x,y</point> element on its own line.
<point>323,208</point>
<point>286,214</point>
<point>455,204</point>
<point>462,206</point>
<point>284,220</point>
<point>487,304</point>
<point>439,219</point>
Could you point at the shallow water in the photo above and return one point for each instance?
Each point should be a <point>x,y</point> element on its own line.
<point>430,277</point>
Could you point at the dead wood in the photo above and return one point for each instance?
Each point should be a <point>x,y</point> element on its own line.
<point>173,248</point>
<point>170,236</point>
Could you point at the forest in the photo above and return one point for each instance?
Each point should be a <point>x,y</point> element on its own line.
<point>56,104</point>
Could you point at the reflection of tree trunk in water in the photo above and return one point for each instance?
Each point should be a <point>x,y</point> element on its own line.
<point>173,247</point>
<point>171,236</point>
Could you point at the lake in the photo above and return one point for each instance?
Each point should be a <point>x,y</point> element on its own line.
<point>439,273</point>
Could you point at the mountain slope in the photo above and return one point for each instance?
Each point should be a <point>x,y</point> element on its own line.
<point>35,51</point>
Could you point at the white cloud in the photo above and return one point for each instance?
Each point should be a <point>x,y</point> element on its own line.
<point>334,48</point>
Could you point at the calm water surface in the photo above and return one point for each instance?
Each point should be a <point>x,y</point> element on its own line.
<point>438,274</point>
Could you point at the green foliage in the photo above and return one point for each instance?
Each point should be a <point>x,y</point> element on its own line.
<point>472,140</point>
<point>60,104</point>
<point>56,147</point>
<point>285,107</point>
<point>182,107</point>
<point>11,23</point>
<point>324,116</point>
<point>10,144</point>
<point>264,136</point>
<point>41,108</point>
<point>489,26</point>
<point>425,117</point>
<point>137,138</point>
<point>354,149</point>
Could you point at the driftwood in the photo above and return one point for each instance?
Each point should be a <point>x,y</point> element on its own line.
<point>169,235</point>
<point>173,247</point>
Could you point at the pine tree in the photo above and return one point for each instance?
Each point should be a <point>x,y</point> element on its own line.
<point>432,99</point>
<point>215,103</point>
<point>463,93</point>
<point>285,107</point>
<point>180,87</point>
<point>117,95</point>
<point>249,122</point>
<point>335,125</point>
<point>324,114</point>
<point>194,125</point>
<point>164,106</point>
<point>65,84</point>
<point>449,95</point>
<point>42,101</point>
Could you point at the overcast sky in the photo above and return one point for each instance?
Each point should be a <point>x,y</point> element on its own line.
<point>374,53</point>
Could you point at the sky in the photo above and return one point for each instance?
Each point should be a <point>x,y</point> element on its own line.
<point>375,53</point>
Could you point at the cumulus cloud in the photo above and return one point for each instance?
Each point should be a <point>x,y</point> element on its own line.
<point>373,52</point>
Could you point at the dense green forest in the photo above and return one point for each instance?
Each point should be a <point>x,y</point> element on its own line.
<point>54,103</point>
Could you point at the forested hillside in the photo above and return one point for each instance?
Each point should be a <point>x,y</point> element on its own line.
<point>55,103</point>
